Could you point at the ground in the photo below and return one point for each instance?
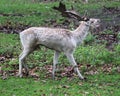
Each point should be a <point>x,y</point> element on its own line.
<point>98,58</point>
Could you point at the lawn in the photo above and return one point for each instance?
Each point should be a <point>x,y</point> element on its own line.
<point>96,85</point>
<point>98,57</point>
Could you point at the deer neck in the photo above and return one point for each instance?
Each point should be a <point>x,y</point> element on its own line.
<point>81,32</point>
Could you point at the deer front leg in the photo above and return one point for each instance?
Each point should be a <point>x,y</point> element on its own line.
<point>55,61</point>
<point>72,61</point>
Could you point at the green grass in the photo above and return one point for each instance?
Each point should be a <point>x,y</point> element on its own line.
<point>34,14</point>
<point>101,84</point>
<point>39,14</point>
<point>96,85</point>
<point>96,55</point>
<point>9,43</point>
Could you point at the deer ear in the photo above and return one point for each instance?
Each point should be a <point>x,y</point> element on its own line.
<point>86,19</point>
<point>85,16</point>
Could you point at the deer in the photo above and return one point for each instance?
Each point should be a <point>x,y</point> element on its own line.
<point>58,39</point>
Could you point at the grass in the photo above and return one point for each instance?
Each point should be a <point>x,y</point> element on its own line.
<point>38,14</point>
<point>101,84</point>
<point>97,85</point>
<point>9,43</point>
<point>33,14</point>
<point>96,55</point>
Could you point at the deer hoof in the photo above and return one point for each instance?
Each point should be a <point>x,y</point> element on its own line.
<point>84,79</point>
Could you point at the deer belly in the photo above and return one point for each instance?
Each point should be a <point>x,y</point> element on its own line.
<point>57,45</point>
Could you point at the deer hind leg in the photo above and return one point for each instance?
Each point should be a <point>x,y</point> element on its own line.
<point>55,61</point>
<point>29,43</point>
<point>22,57</point>
<point>72,61</point>
<point>26,51</point>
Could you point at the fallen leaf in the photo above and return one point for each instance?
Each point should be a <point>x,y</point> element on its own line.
<point>65,86</point>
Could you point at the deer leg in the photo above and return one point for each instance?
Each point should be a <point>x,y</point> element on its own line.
<point>22,57</point>
<point>72,61</point>
<point>55,61</point>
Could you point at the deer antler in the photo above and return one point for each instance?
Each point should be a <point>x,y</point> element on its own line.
<point>61,8</point>
<point>74,15</point>
<point>71,14</point>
